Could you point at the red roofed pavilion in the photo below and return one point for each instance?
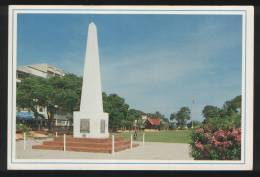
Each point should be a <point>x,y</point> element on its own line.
<point>152,123</point>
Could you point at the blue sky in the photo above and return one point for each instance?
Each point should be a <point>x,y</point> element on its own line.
<point>156,62</point>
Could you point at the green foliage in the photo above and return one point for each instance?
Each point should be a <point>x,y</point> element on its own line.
<point>232,106</point>
<point>120,116</point>
<point>156,115</point>
<point>196,124</point>
<point>132,116</point>
<point>117,109</point>
<point>55,93</point>
<point>210,112</point>
<point>164,124</point>
<point>173,116</point>
<point>225,123</point>
<point>62,95</point>
<point>181,116</point>
<point>22,128</point>
<point>225,118</point>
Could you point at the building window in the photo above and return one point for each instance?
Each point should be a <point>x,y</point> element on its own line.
<point>19,75</point>
<point>102,126</point>
<point>84,126</point>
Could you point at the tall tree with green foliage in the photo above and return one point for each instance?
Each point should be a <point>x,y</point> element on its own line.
<point>156,114</point>
<point>117,109</point>
<point>227,117</point>
<point>210,112</point>
<point>182,116</point>
<point>133,117</point>
<point>55,93</point>
<point>232,106</point>
<point>173,116</point>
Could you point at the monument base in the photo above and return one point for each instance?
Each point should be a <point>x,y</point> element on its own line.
<point>87,125</point>
<point>86,144</point>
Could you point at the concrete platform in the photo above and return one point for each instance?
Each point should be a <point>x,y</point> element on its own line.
<point>86,144</point>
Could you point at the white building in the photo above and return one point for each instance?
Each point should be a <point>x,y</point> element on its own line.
<point>40,70</point>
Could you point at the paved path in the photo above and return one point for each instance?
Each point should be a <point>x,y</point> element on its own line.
<point>150,151</point>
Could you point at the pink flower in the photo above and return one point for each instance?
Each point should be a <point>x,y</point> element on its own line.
<point>220,134</point>
<point>199,146</point>
<point>208,136</point>
<point>226,144</point>
<point>238,138</point>
<point>215,142</point>
<point>236,134</point>
<point>229,133</point>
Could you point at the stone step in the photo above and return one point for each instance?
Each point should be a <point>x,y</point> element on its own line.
<point>86,144</point>
<point>96,140</point>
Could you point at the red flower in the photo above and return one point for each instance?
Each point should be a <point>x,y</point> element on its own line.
<point>215,142</point>
<point>220,134</point>
<point>199,146</point>
<point>208,136</point>
<point>226,144</point>
<point>238,138</point>
<point>234,133</point>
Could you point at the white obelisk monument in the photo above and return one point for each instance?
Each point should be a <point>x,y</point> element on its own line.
<point>90,121</point>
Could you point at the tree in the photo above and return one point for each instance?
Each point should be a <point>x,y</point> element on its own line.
<point>132,116</point>
<point>164,124</point>
<point>210,112</point>
<point>117,109</point>
<point>157,114</point>
<point>56,94</point>
<point>173,116</point>
<point>196,123</point>
<point>232,106</point>
<point>226,118</point>
<point>182,116</point>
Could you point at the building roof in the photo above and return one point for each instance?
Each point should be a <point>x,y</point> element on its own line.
<point>154,121</point>
<point>25,115</point>
<point>43,68</point>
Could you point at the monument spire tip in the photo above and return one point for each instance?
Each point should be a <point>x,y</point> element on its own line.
<point>92,23</point>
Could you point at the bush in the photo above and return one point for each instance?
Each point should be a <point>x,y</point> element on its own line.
<point>216,145</point>
<point>22,128</point>
<point>225,123</point>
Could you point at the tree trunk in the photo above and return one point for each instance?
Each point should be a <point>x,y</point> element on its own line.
<point>50,121</point>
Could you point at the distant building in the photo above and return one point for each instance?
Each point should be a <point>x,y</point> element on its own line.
<point>144,117</point>
<point>40,70</point>
<point>63,120</point>
<point>152,123</point>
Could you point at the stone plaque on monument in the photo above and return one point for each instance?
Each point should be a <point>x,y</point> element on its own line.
<point>102,126</point>
<point>84,126</point>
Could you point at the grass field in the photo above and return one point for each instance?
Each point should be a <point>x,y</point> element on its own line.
<point>173,136</point>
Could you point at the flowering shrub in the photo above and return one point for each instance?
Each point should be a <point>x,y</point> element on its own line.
<point>216,145</point>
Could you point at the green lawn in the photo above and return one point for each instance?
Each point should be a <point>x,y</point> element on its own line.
<point>172,136</point>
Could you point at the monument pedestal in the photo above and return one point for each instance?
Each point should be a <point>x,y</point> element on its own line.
<point>88,125</point>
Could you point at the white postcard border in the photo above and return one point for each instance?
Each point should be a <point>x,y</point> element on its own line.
<point>67,164</point>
